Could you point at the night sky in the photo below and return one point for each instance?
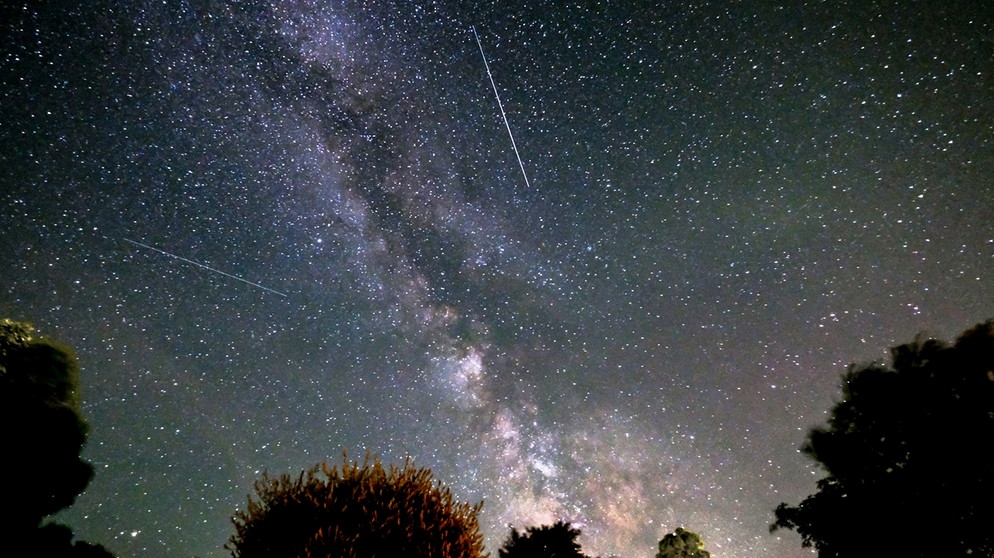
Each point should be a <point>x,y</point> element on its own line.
<point>274,231</point>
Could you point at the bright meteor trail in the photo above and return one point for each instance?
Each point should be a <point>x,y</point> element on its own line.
<point>207,267</point>
<point>501,106</point>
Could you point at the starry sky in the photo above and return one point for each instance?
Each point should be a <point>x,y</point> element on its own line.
<point>276,230</point>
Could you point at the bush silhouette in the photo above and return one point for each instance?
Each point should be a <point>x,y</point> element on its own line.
<point>548,541</point>
<point>356,512</point>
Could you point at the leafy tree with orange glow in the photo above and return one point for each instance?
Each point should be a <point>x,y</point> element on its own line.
<point>356,511</point>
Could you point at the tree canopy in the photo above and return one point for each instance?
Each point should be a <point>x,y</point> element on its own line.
<point>42,435</point>
<point>906,452</point>
<point>682,544</point>
<point>356,512</point>
<point>548,541</point>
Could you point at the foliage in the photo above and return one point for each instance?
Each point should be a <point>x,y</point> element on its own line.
<point>682,544</point>
<point>356,512</point>
<point>42,437</point>
<point>906,456</point>
<point>40,409</point>
<point>548,541</point>
<point>13,335</point>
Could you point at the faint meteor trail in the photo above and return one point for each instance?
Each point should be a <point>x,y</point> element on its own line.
<point>208,268</point>
<point>501,106</point>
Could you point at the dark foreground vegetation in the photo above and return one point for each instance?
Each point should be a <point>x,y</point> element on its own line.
<point>907,452</point>
<point>43,436</point>
<point>355,510</point>
<point>904,452</point>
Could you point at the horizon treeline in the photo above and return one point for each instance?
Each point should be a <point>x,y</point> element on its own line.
<point>904,450</point>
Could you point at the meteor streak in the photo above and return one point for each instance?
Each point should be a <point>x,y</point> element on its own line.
<point>501,106</point>
<point>207,267</point>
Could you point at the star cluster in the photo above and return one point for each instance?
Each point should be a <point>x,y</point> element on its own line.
<point>728,202</point>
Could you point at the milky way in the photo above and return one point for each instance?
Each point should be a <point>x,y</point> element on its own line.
<point>726,204</point>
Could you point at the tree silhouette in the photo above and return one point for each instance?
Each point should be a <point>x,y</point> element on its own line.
<point>548,541</point>
<point>906,452</point>
<point>356,512</point>
<point>42,437</point>
<point>682,544</point>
